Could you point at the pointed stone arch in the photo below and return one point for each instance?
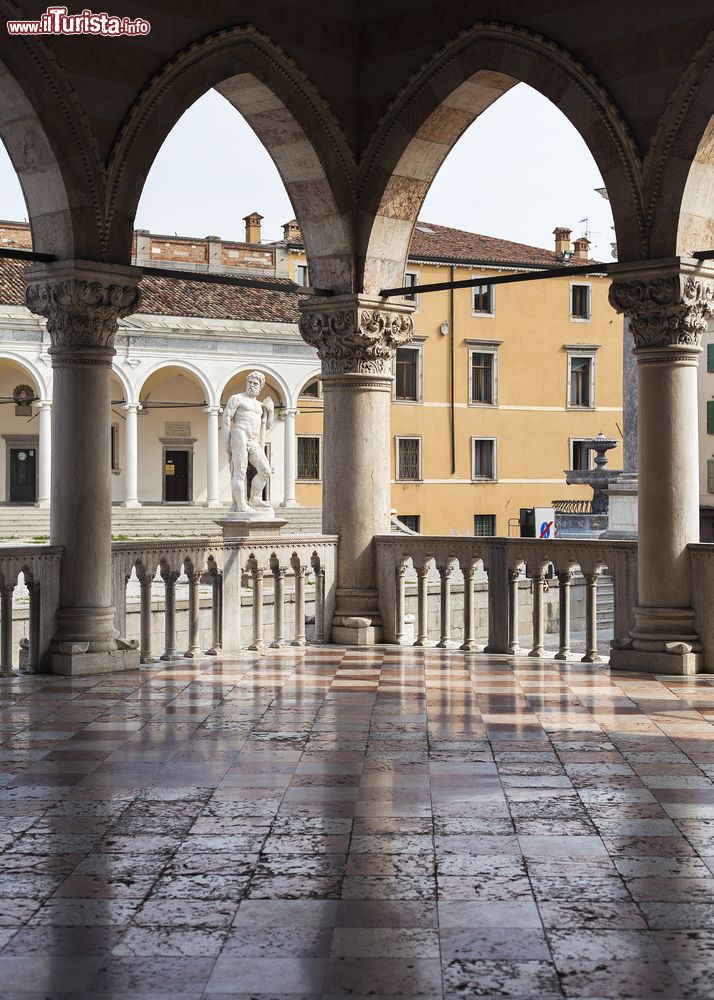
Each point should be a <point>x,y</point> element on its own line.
<point>439,103</point>
<point>284,110</point>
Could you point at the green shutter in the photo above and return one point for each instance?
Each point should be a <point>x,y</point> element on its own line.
<point>710,476</point>
<point>710,357</point>
<point>710,416</point>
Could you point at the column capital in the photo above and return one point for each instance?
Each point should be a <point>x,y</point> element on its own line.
<point>43,404</point>
<point>355,334</point>
<point>82,302</point>
<point>288,411</point>
<point>214,411</point>
<point>135,407</point>
<point>668,303</point>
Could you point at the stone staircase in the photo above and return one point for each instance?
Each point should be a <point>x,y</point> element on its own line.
<point>28,524</point>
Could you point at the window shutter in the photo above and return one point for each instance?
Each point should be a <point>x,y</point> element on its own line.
<point>710,476</point>
<point>710,357</point>
<point>710,416</point>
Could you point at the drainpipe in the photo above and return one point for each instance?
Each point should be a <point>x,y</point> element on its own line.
<point>451,373</point>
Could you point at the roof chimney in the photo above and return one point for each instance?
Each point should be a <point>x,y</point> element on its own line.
<point>252,227</point>
<point>562,240</point>
<point>581,246</point>
<point>291,230</point>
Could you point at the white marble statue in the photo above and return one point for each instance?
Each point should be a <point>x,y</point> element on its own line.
<point>246,419</point>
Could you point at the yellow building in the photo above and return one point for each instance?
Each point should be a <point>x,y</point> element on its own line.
<point>498,389</point>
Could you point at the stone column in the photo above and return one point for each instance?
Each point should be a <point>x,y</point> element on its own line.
<point>668,303</point>
<point>82,301</point>
<point>132,455</point>
<point>43,493</point>
<point>356,339</point>
<point>212,452</point>
<point>289,448</point>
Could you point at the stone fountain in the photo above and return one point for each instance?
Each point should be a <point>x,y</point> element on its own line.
<point>599,478</point>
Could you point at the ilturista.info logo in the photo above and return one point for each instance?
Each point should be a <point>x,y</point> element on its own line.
<point>58,21</point>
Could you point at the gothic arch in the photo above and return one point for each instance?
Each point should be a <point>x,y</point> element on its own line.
<point>440,102</point>
<point>286,113</point>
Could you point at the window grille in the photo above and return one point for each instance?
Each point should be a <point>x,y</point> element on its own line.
<point>484,525</point>
<point>408,458</point>
<point>580,379</point>
<point>308,458</point>
<point>410,521</point>
<point>481,377</point>
<point>483,459</point>
<point>580,301</point>
<point>407,374</point>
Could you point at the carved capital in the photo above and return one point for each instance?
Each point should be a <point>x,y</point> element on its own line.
<point>82,301</point>
<point>356,335</point>
<point>666,311</point>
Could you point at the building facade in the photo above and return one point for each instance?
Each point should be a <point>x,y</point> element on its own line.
<point>491,400</point>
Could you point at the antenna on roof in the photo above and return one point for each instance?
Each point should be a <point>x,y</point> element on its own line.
<point>587,231</point>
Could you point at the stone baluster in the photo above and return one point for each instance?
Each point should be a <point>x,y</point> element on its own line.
<point>400,604</point>
<point>469,643</point>
<point>445,573</point>
<point>514,575</point>
<point>169,577</point>
<point>279,606</point>
<point>356,338</point>
<point>256,573</point>
<point>668,305</point>
<point>299,571</point>
<point>82,302</point>
<point>538,579</point>
<point>146,581</point>
<point>6,592</point>
<point>591,651</point>
<point>216,614</point>
<point>319,601</point>
<point>194,612</point>
<point>33,634</point>
<point>422,638</point>
<point>565,578</point>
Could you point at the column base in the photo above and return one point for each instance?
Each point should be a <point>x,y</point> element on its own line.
<point>356,632</point>
<point>131,504</point>
<point>288,503</point>
<point>656,663</point>
<point>357,620</point>
<point>213,504</point>
<point>43,504</point>
<point>80,664</point>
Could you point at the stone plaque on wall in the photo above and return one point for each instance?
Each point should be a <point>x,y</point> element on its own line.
<point>177,428</point>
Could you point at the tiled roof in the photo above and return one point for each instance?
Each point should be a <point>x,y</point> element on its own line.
<point>181,297</point>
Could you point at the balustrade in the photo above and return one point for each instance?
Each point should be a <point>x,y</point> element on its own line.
<point>29,597</point>
<point>505,574</point>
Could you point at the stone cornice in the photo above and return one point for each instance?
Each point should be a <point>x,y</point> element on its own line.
<point>82,301</point>
<point>668,307</point>
<point>354,334</point>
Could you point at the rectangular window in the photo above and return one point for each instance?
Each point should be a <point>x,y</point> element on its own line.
<point>710,416</point>
<point>484,525</point>
<point>409,458</point>
<point>484,300</point>
<point>406,385</point>
<point>710,476</point>
<point>710,357</point>
<point>114,448</point>
<point>581,372</point>
<point>410,521</point>
<point>580,301</point>
<point>308,458</point>
<point>411,279</point>
<point>302,275</point>
<point>580,457</point>
<point>482,377</point>
<point>484,461</point>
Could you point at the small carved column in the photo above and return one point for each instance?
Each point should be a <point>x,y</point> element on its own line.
<point>538,579</point>
<point>278,606</point>
<point>216,613</point>
<point>565,579</point>
<point>591,651</point>
<point>145,584</point>
<point>513,578</point>
<point>256,573</point>
<point>400,571</point>
<point>33,655</point>
<point>299,572</point>
<point>82,302</point>
<point>422,638</point>
<point>170,576</point>
<point>319,599</point>
<point>194,613</point>
<point>469,643</point>
<point>445,573</point>
<point>668,307</point>
<point>356,339</point>
<point>6,592</point>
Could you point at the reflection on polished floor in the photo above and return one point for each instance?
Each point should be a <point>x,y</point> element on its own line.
<point>320,823</point>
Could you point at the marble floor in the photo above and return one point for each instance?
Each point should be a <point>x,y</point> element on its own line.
<point>326,823</point>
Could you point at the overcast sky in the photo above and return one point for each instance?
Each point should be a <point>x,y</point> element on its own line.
<point>520,170</point>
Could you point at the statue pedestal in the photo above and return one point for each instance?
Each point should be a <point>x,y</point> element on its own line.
<point>260,523</point>
<point>622,508</point>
